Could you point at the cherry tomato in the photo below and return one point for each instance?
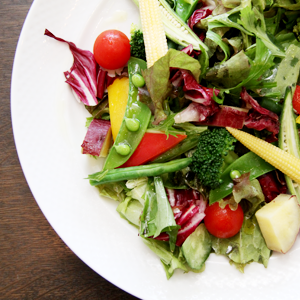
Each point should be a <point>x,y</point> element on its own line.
<point>296,99</point>
<point>112,49</point>
<point>223,223</point>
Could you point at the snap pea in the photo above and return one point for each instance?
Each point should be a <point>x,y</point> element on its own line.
<point>137,172</point>
<point>272,105</point>
<point>234,174</point>
<point>132,124</point>
<point>249,162</point>
<point>134,110</point>
<point>122,149</point>
<point>185,8</point>
<point>138,80</point>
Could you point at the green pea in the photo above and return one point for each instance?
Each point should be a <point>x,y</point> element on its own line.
<point>138,80</point>
<point>235,174</point>
<point>132,124</point>
<point>122,149</point>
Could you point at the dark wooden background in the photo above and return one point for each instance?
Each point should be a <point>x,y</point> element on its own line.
<point>34,262</point>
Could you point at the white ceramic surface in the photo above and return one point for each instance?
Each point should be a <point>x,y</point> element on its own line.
<point>49,127</point>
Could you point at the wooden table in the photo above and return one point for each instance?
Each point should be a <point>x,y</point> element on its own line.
<point>34,262</point>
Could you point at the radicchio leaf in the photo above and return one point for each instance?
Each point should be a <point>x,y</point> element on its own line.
<point>227,116</point>
<point>82,76</point>
<point>189,114</point>
<point>192,89</point>
<point>95,137</point>
<point>101,80</point>
<point>198,15</point>
<point>260,118</point>
<point>272,184</point>
<point>213,115</point>
<point>189,50</point>
<point>99,110</point>
<point>188,208</point>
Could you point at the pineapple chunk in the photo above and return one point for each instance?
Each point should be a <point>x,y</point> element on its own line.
<point>279,222</point>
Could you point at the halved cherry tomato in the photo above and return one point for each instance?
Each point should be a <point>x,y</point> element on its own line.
<point>296,99</point>
<point>112,49</point>
<point>223,222</point>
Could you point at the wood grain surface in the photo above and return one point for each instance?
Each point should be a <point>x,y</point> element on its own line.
<point>34,262</point>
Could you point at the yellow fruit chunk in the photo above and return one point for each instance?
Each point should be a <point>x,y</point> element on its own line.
<point>117,99</point>
<point>106,144</point>
<point>279,222</point>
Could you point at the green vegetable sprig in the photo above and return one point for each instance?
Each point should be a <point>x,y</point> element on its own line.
<point>137,46</point>
<point>209,158</point>
<point>137,172</point>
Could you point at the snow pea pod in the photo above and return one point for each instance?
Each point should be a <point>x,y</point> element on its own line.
<point>139,171</point>
<point>249,162</point>
<point>134,110</point>
<point>272,105</point>
<point>185,8</point>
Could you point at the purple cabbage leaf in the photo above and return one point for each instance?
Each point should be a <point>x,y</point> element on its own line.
<point>82,76</point>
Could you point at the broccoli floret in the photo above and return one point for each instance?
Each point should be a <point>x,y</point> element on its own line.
<point>137,48</point>
<point>210,157</point>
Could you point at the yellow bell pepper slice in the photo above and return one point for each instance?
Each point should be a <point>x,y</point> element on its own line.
<point>117,100</point>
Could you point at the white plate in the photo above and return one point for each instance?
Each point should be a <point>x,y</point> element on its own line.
<point>49,127</point>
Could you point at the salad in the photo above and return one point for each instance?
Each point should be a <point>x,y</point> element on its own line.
<point>196,116</point>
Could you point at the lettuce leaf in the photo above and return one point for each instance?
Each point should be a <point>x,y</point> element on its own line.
<point>164,220</point>
<point>288,70</point>
<point>148,228</point>
<point>115,191</point>
<point>263,61</point>
<point>252,192</point>
<point>249,20</point>
<point>157,215</point>
<point>287,4</point>
<point>231,72</point>
<point>130,210</point>
<point>245,247</point>
<point>137,189</point>
<point>253,20</point>
<point>213,36</point>
<point>170,260</point>
<point>229,19</point>
<point>157,78</point>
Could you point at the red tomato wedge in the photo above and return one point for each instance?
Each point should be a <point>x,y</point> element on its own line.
<point>151,146</point>
<point>296,100</point>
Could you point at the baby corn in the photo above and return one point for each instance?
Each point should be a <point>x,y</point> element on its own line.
<point>283,161</point>
<point>153,29</point>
